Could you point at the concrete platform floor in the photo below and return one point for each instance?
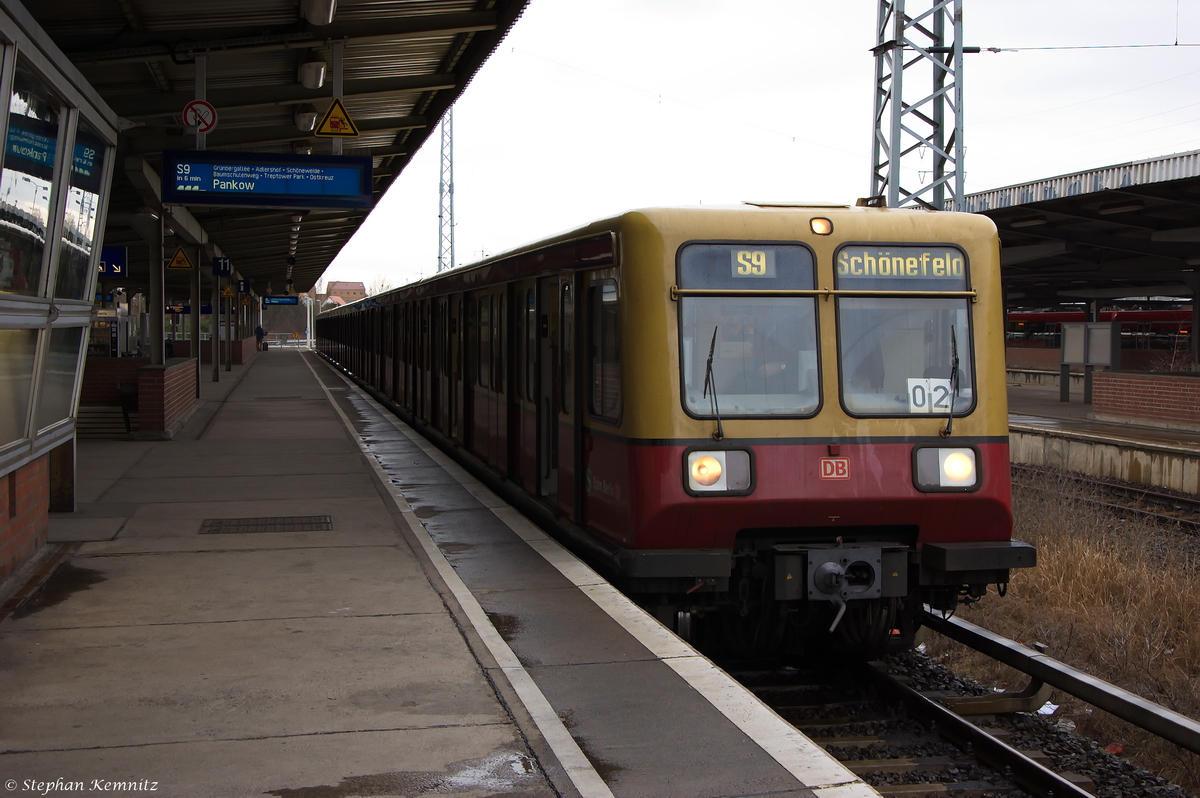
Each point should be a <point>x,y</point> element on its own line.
<point>299,664</point>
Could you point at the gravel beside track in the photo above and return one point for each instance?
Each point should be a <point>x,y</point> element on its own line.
<point>1111,776</point>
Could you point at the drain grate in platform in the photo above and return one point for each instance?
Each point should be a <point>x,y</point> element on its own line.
<point>242,526</point>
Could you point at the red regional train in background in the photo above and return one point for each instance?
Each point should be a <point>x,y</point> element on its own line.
<point>1165,329</point>
<point>770,425</point>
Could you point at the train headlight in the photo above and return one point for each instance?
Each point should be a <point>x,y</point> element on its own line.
<point>707,471</point>
<point>821,226</point>
<point>942,469</point>
<point>720,471</point>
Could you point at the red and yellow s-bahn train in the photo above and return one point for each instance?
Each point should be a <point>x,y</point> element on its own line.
<point>769,424</point>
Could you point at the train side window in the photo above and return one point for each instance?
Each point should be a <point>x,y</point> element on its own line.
<point>565,327</point>
<point>604,351</point>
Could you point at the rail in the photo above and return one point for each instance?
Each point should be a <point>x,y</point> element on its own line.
<point>1031,775</point>
<point>1165,723</point>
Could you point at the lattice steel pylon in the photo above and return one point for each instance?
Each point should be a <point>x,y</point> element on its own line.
<point>446,195</point>
<point>917,140</point>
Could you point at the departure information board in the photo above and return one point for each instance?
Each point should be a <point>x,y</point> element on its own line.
<point>263,180</point>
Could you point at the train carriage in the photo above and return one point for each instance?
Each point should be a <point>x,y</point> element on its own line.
<point>780,421</point>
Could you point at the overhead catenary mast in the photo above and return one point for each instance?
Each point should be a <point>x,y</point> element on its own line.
<point>446,195</point>
<point>917,130</point>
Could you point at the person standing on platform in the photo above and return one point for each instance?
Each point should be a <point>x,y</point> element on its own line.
<point>259,335</point>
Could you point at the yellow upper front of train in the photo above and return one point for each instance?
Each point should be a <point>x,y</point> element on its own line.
<point>649,244</point>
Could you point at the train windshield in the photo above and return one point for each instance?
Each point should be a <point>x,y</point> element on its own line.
<point>897,353</point>
<point>763,349</point>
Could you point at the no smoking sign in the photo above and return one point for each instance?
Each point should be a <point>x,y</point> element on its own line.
<point>200,115</point>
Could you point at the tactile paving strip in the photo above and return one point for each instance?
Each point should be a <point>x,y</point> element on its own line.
<point>240,526</point>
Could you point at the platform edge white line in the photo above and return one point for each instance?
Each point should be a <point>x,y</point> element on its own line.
<point>570,756</point>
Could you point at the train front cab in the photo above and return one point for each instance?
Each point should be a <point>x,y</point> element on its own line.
<point>793,408</point>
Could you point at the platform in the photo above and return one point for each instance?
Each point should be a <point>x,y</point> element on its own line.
<point>431,640</point>
<point>1047,432</point>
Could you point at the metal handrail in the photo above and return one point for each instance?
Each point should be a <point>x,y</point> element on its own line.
<point>677,292</point>
<point>1163,722</point>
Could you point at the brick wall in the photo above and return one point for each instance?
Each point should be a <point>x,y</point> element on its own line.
<point>1048,359</point>
<point>243,351</point>
<point>102,375</point>
<point>1160,399</point>
<point>24,513</point>
<point>166,394</point>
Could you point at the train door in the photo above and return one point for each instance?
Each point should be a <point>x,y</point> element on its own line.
<point>547,389</point>
<point>570,416</point>
<point>396,350</point>
<point>523,383</point>
<point>481,378</point>
<point>499,420</point>
<point>423,358</point>
<point>437,338</point>
<point>456,367</point>
<point>377,348</point>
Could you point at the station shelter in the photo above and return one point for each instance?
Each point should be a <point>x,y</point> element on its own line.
<point>170,167</point>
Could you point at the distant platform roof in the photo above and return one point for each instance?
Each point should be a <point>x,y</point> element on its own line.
<point>404,63</point>
<point>1127,230</point>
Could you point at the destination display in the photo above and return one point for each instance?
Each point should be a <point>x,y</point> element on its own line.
<point>901,268</point>
<point>262,180</point>
<point>744,266</point>
<point>281,300</point>
<point>753,263</point>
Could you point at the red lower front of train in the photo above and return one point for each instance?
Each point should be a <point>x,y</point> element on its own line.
<point>807,494</point>
<point>638,497</point>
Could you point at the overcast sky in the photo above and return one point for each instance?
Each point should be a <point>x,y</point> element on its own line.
<point>587,110</point>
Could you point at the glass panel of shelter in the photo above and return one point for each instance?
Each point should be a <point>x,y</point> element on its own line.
<point>26,180</point>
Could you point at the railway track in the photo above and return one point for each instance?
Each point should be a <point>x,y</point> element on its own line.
<point>899,739</point>
<point>910,728</point>
<point>1135,500</point>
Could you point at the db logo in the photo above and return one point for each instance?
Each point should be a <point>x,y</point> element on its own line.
<point>835,468</point>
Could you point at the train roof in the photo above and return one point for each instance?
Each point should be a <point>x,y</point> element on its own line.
<point>668,216</point>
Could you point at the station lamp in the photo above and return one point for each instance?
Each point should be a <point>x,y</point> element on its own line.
<point>319,12</point>
<point>312,74</point>
<point>306,117</point>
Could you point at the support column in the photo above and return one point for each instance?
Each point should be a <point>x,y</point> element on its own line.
<point>336,79</point>
<point>156,303</point>
<point>62,477</point>
<point>201,92</point>
<point>195,321</point>
<point>1193,282</point>
<point>229,332</point>
<point>214,329</point>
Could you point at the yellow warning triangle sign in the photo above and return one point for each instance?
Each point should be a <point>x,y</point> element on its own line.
<point>337,122</point>
<point>180,260</point>
<point>227,292</point>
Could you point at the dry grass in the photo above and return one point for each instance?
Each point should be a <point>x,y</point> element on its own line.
<point>1117,598</point>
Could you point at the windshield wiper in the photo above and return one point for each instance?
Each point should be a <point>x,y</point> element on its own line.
<point>710,382</point>
<point>953,383</point>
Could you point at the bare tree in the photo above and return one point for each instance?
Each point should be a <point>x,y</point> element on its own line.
<point>378,285</point>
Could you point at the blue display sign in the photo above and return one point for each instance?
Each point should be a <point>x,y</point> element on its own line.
<point>114,261</point>
<point>258,179</point>
<point>281,300</point>
<point>222,267</point>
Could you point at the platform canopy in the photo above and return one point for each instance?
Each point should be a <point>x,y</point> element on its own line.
<point>1124,231</point>
<point>404,63</point>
